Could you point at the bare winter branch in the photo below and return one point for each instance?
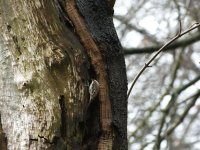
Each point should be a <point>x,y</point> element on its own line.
<point>192,27</point>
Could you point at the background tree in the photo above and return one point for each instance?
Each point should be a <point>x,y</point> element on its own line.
<point>50,52</point>
<point>164,104</point>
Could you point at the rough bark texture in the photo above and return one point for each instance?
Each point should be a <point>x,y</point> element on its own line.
<point>45,72</point>
<point>98,17</point>
<point>42,83</point>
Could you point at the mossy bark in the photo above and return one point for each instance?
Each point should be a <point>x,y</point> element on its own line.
<point>43,77</point>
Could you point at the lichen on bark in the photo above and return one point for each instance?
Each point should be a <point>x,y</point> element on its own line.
<point>40,62</point>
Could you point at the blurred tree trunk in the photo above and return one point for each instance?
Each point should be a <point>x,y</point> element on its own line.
<point>45,72</point>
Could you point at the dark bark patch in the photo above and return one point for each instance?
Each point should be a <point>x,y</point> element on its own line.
<point>91,126</point>
<point>3,139</point>
<point>63,126</point>
<point>17,46</point>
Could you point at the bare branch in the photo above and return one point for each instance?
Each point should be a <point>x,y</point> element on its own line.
<point>174,96</point>
<point>181,118</point>
<point>160,138</point>
<point>194,26</point>
<point>151,49</point>
<point>140,30</point>
<point>167,91</point>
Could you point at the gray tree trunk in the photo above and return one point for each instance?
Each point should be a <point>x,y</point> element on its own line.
<point>44,75</point>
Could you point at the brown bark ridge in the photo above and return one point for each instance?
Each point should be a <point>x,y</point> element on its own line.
<point>93,22</point>
<point>105,141</point>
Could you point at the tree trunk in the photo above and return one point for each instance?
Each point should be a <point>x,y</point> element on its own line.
<point>50,51</point>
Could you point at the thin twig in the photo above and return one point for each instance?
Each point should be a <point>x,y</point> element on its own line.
<point>192,27</point>
<point>187,99</point>
<point>167,90</point>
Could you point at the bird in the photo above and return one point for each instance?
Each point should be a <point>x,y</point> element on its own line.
<point>93,90</point>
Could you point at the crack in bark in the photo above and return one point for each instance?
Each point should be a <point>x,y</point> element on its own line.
<point>47,140</point>
<point>64,17</point>
<point>63,126</point>
<point>54,140</point>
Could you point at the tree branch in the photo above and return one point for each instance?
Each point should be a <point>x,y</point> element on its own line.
<point>140,30</point>
<point>174,96</point>
<point>151,49</point>
<point>167,90</point>
<point>181,118</point>
<point>160,138</point>
<point>194,26</point>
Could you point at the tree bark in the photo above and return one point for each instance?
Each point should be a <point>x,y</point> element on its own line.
<point>45,73</point>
